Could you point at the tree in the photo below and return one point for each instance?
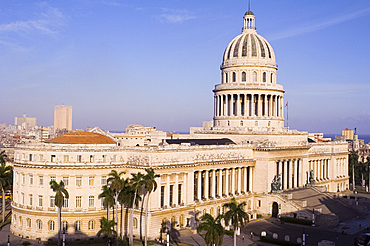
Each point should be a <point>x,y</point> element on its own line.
<point>107,228</point>
<point>3,157</point>
<point>236,215</point>
<point>6,177</point>
<point>214,231</point>
<point>127,197</point>
<point>116,184</point>
<point>60,193</point>
<point>124,200</point>
<point>107,195</point>
<point>150,186</point>
<point>353,165</point>
<point>136,183</point>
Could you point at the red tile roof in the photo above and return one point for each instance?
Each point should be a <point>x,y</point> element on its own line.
<point>81,137</point>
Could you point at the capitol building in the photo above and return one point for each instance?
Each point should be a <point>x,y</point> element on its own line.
<point>239,154</point>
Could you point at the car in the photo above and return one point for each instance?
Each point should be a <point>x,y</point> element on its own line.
<point>8,195</point>
<point>364,239</point>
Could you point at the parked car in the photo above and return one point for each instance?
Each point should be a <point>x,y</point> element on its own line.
<point>364,239</point>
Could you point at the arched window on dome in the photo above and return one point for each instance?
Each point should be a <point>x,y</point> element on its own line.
<point>234,76</point>
<point>254,76</point>
<point>272,77</point>
<point>226,78</point>
<point>244,76</point>
<point>264,77</point>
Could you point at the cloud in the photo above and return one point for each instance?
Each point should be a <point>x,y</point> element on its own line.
<point>176,16</point>
<point>323,25</point>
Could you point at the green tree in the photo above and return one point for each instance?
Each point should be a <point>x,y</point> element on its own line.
<point>107,195</point>
<point>107,228</point>
<point>150,185</point>
<point>136,182</point>
<point>60,193</point>
<point>236,215</point>
<point>214,230</point>
<point>124,200</point>
<point>3,157</point>
<point>6,178</point>
<point>353,165</point>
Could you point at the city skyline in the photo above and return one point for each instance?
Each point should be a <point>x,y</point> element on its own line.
<point>121,63</point>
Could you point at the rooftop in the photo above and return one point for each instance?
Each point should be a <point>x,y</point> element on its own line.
<point>82,137</point>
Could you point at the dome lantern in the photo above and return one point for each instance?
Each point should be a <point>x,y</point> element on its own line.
<point>249,20</point>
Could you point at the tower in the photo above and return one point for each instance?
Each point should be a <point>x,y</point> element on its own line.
<point>62,117</point>
<point>249,95</point>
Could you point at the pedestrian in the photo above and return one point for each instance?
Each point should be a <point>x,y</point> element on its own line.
<point>251,234</point>
<point>243,237</point>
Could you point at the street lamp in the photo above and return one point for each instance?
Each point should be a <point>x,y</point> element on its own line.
<point>64,237</point>
<point>8,243</point>
<point>313,217</point>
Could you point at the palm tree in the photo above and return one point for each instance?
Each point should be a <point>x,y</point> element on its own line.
<point>353,164</point>
<point>150,186</point>
<point>136,183</point>
<point>116,184</point>
<point>236,214</point>
<point>107,228</point>
<point>6,179</point>
<point>214,231</point>
<point>128,196</point>
<point>3,157</point>
<point>61,192</point>
<point>107,195</point>
<point>124,200</point>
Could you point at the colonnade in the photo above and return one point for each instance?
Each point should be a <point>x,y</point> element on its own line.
<point>173,189</point>
<point>341,167</point>
<point>290,171</point>
<point>217,183</point>
<point>320,169</point>
<point>268,105</point>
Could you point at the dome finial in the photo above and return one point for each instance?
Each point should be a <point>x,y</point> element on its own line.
<point>249,22</point>
<point>249,5</point>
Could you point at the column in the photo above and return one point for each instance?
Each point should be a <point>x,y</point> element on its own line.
<point>238,105</point>
<point>295,173</point>
<point>176,190</point>
<point>157,191</point>
<point>245,179</point>
<point>206,184</point>
<point>277,168</point>
<point>251,179</point>
<point>327,168</point>
<point>167,192</point>
<point>215,107</point>
<point>233,180</point>
<point>245,105</point>
<point>199,186</point>
<point>239,180</point>
<point>213,192</point>
<point>227,182</point>
<point>288,174</point>
<point>220,184</point>
<point>222,106</point>
<point>259,103</point>
<point>298,171</point>
<point>270,106</point>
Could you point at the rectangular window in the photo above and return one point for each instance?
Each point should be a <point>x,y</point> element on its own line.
<point>31,179</point>
<point>79,158</point>
<point>91,158</point>
<point>41,180</point>
<point>162,196</point>
<point>114,157</point>
<point>41,157</point>
<point>52,158</point>
<point>91,181</point>
<point>103,180</point>
<point>179,200</point>
<point>78,201</point>
<point>52,178</point>
<point>22,198</point>
<point>66,158</point>
<point>23,179</point>
<point>30,196</point>
<point>40,201</point>
<point>30,159</point>
<point>65,181</point>
<point>171,195</point>
<point>104,157</point>
<point>78,181</point>
<point>91,201</point>
<point>259,203</point>
<point>52,201</point>
<point>65,203</point>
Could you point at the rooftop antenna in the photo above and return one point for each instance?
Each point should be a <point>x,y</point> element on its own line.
<point>249,5</point>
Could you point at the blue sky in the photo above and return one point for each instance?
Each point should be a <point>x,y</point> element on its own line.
<point>156,62</point>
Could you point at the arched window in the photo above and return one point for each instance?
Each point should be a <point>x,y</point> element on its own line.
<point>182,220</point>
<point>51,225</point>
<point>254,76</point>
<point>269,124</point>
<point>241,123</point>
<point>91,225</point>
<point>78,226</point>
<point>64,226</point>
<point>135,223</point>
<point>211,211</point>
<point>228,123</point>
<point>29,225</point>
<point>39,224</point>
<point>234,76</point>
<point>226,78</point>
<point>244,76</point>
<point>272,77</point>
<point>204,211</point>
<point>264,77</point>
<point>256,123</point>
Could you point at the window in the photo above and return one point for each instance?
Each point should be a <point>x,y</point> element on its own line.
<point>40,201</point>
<point>135,222</point>
<point>78,181</point>
<point>30,196</point>
<point>91,158</point>
<point>264,77</point>
<point>91,181</point>
<point>244,76</point>
<point>162,196</point>
<point>114,157</point>
<point>104,157</point>
<point>52,178</point>
<point>30,157</point>
<point>31,179</point>
<point>171,195</point>
<point>41,180</point>
<point>259,203</point>
<point>52,201</point>
<point>22,194</point>
<point>23,179</point>
<point>78,201</point>
<point>65,226</point>
<point>103,180</point>
<point>272,77</point>
<point>66,158</point>
<point>65,202</point>
<point>78,226</point>
<point>41,157</point>
<point>91,201</point>
<point>234,76</point>
<point>52,158</point>
<point>20,221</point>
<point>91,225</point>
<point>226,78</point>
<point>179,194</point>
<point>29,224</point>
<point>65,181</point>
<point>51,225</point>
<point>79,158</point>
<point>39,224</point>
<point>254,76</point>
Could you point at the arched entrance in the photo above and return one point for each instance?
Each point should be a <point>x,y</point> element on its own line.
<point>275,209</point>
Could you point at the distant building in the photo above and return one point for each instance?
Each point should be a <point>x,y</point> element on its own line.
<point>25,122</point>
<point>63,117</point>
